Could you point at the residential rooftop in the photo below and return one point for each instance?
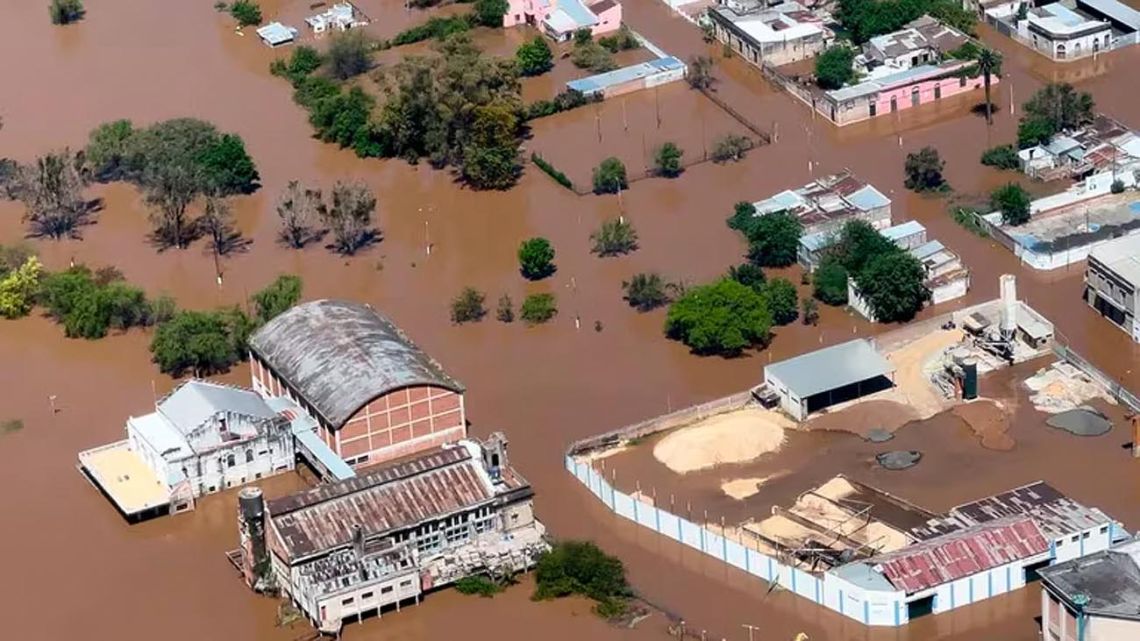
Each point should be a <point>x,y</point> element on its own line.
<point>780,23</point>
<point>920,35</point>
<point>599,82</point>
<point>826,200</point>
<point>1106,583</point>
<point>1057,19</point>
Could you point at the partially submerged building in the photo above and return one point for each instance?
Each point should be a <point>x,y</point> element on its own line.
<point>946,277</point>
<point>373,394</point>
<point>1066,31</point>
<point>813,247</point>
<point>276,34</point>
<point>900,70</point>
<point>1104,146</point>
<point>826,203</point>
<point>342,16</point>
<point>560,19</point>
<point>1093,598</point>
<point>643,75</point>
<point>769,35</point>
<point>1112,281</point>
<point>351,549</point>
<point>811,382</point>
<point>202,438</point>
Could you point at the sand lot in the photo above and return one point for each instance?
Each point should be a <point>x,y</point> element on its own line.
<point>733,437</point>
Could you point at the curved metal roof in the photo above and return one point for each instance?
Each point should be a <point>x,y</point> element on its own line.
<point>340,355</point>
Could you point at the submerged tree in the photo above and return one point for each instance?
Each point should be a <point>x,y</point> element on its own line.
<point>218,225</point>
<point>924,170</point>
<point>66,11</point>
<point>534,57</point>
<point>170,189</point>
<point>989,63</point>
<point>277,297</point>
<point>722,318</point>
<point>699,74</point>
<point>615,236</point>
<point>536,258</point>
<point>647,291</point>
<point>350,54</point>
<point>246,12</point>
<point>299,210</point>
<point>667,160</point>
<point>730,147</point>
<point>196,342</point>
<point>467,306</point>
<point>349,217</point>
<point>610,177</point>
<point>505,310</point>
<point>51,190</point>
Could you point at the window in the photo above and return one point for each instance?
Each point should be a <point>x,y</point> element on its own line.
<point>386,589</point>
<point>249,456</point>
<point>406,584</point>
<point>1075,537</point>
<point>348,601</point>
<point>1085,535</point>
<point>1060,542</point>
<point>366,595</point>
<point>1104,529</point>
<point>230,462</point>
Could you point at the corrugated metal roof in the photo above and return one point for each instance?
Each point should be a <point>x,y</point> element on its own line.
<point>903,230</point>
<point>195,402</point>
<point>1118,11</point>
<point>830,368</point>
<point>599,82</point>
<point>340,355</point>
<point>868,198</point>
<point>960,554</point>
<point>1056,514</point>
<point>390,497</point>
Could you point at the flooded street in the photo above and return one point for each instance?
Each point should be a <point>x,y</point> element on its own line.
<point>150,60</point>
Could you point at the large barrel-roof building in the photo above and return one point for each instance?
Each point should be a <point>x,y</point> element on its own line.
<point>374,395</point>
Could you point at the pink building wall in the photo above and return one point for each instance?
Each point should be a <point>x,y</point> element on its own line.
<point>608,20</point>
<point>926,92</point>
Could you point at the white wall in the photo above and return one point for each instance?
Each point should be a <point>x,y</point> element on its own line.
<point>1082,543</point>
<point>868,607</point>
<point>365,597</point>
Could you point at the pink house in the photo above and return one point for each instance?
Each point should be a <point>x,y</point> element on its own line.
<point>899,91</point>
<point>559,19</point>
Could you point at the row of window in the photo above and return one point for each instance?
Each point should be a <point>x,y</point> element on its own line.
<point>1083,535</point>
<point>387,589</point>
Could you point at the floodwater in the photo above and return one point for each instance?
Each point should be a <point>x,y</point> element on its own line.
<point>83,573</point>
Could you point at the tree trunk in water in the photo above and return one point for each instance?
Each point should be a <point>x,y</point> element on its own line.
<point>989,105</point>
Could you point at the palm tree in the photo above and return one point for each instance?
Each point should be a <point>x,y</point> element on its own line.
<point>989,63</point>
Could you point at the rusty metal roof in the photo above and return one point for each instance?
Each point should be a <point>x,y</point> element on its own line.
<point>340,355</point>
<point>1055,513</point>
<point>961,554</point>
<point>391,497</point>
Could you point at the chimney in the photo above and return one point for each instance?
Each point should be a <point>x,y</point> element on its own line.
<point>255,565</point>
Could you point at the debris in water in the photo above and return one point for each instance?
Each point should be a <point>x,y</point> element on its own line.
<point>879,435</point>
<point>1083,421</point>
<point>899,459</point>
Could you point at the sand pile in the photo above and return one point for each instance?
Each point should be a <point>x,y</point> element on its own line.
<point>732,437</point>
<point>1083,421</point>
<point>741,489</point>
<point>911,363</point>
<point>989,421</point>
<point>1062,387</point>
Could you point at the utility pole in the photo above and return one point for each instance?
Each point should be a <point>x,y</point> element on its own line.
<point>751,628</point>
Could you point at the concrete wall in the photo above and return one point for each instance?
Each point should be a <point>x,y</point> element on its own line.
<point>795,406</point>
<point>1074,546</point>
<point>366,598</point>
<point>926,92</point>
<point>1062,49</point>
<point>608,21</point>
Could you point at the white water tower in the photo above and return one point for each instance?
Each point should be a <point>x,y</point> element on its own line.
<point>1008,322</point>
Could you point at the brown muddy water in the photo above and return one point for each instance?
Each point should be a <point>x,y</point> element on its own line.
<point>82,573</point>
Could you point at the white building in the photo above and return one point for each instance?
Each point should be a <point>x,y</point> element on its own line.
<point>1112,279</point>
<point>816,380</point>
<point>202,438</point>
<point>341,17</point>
<point>1063,34</point>
<point>763,34</point>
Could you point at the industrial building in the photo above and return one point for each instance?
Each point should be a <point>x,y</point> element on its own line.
<point>884,561</point>
<point>352,549</point>
<point>826,203</point>
<point>816,380</point>
<point>769,34</point>
<point>643,75</point>
<point>1111,280</point>
<point>373,394</point>
<point>1093,598</point>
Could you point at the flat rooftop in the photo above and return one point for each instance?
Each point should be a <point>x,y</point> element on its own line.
<point>1078,222</point>
<point>1110,580</point>
<point>1122,256</point>
<point>830,368</point>
<point>125,477</point>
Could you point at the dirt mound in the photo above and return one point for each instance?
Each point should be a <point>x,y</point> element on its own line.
<point>989,421</point>
<point>1083,421</point>
<point>741,489</point>
<point>732,437</point>
<point>865,418</point>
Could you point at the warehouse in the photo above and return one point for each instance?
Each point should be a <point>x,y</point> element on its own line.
<point>374,395</point>
<point>1111,280</point>
<point>816,380</point>
<point>355,548</point>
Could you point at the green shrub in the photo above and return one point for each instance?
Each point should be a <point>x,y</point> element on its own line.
<point>478,584</point>
<point>549,169</point>
<point>438,28</point>
<point>1001,156</point>
<point>246,12</point>
<point>66,11</point>
<point>468,307</point>
<point>1013,202</point>
<point>536,258</point>
<point>610,177</point>
<point>581,568</point>
<point>538,308</point>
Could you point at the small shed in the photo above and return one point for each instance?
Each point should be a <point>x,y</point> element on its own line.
<point>276,34</point>
<point>816,380</point>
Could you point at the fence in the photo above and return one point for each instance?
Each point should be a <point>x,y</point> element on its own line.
<point>697,537</point>
<point>660,423</point>
<point>1118,391</point>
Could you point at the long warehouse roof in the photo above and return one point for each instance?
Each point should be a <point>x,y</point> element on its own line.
<point>830,368</point>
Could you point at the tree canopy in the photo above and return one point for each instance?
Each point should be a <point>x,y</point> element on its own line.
<point>18,288</point>
<point>1001,157</point>
<point>277,297</point>
<point>350,54</point>
<point>1013,202</point>
<point>773,239</point>
<point>610,177</point>
<point>667,160</point>
<point>924,170</point>
<point>647,291</point>
<point>1061,106</point>
<point>724,317</point>
<point>536,258</point>
<point>197,342</point>
<point>577,567</point>
<point>534,57</point>
<point>782,300</point>
<point>489,13</point>
<point>833,67</point>
<point>246,12</point>
<point>865,19</point>
<point>858,243</point>
<point>830,281</point>
<point>893,285</point>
